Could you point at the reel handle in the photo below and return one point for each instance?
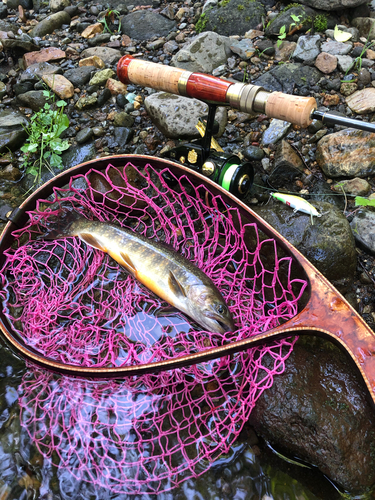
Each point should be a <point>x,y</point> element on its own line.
<point>244,97</point>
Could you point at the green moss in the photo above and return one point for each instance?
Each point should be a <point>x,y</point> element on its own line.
<point>201,23</point>
<point>240,7</point>
<point>223,3</point>
<point>320,22</point>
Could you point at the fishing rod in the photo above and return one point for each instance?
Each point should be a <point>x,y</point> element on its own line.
<point>226,169</point>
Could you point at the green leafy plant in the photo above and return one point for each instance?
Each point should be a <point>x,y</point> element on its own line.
<point>283,33</point>
<point>109,17</point>
<point>364,202</point>
<point>44,146</point>
<point>201,23</point>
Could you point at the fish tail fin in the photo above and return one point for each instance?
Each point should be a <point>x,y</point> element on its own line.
<point>62,226</point>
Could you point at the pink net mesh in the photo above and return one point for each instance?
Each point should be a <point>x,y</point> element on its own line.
<point>76,305</point>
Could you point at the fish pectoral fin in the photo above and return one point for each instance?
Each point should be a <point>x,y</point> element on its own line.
<point>128,263</point>
<point>175,285</point>
<point>90,240</point>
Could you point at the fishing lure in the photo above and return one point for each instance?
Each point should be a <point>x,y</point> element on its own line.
<point>298,203</point>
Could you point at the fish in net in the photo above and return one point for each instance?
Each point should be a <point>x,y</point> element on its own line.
<point>74,304</point>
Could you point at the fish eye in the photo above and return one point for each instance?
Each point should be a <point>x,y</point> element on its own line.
<point>220,309</point>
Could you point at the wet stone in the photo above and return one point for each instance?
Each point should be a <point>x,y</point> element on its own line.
<point>276,131</point>
<point>95,61</point>
<point>12,133</point>
<point>355,187</point>
<point>253,153</point>
<point>50,24</point>
<point>60,85</point>
<point>121,100</point>
<point>79,76</point>
<point>109,56</point>
<point>99,39</point>
<point>345,63</point>
<point>243,48</point>
<point>287,166</point>
<point>123,119</point>
<point>57,5</point>
<point>104,96</point>
<point>35,100</point>
<point>92,30</point>
<point>22,87</point>
<point>86,102</point>
<point>116,87</point>
<point>36,71</point>
<point>144,25</point>
<point>363,227</point>
<point>84,135</point>
<point>348,88</point>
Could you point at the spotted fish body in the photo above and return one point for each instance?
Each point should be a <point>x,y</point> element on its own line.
<point>162,270</point>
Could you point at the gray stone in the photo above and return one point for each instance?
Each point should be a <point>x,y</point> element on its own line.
<point>50,24</point>
<point>328,244</point>
<point>57,5</point>
<point>122,136</point>
<point>355,187</point>
<point>331,5</point>
<point>145,24</point>
<point>80,76</point>
<point>3,90</point>
<point>353,31</point>
<point>365,26</point>
<point>34,100</point>
<point>244,48</point>
<point>99,39</point>
<point>176,116</point>
<point>3,11</point>
<point>7,26</point>
<point>12,132</point>
<point>253,153</point>
<point>345,63</point>
<point>363,227</point>
<point>87,102</point>
<point>79,154</point>
<point>204,53</point>
<point>276,131</point>
<point>286,77</point>
<point>308,48</point>
<point>22,87</point>
<point>104,96</point>
<point>287,166</point>
<point>107,54</point>
<point>235,17</point>
<point>35,72</point>
<point>336,48</point>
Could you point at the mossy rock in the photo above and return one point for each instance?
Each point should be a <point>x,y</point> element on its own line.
<point>233,17</point>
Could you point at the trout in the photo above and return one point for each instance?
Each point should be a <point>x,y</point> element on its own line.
<point>161,269</point>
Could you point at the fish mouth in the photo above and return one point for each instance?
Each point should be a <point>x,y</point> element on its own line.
<point>225,327</point>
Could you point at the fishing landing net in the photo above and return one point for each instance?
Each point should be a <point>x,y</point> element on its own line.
<point>75,304</point>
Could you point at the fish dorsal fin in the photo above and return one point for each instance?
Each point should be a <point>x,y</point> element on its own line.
<point>128,263</point>
<point>91,241</point>
<point>175,285</point>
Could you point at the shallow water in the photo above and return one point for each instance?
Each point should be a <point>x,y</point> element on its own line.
<point>249,472</point>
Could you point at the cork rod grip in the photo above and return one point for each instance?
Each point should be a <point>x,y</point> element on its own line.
<point>291,108</point>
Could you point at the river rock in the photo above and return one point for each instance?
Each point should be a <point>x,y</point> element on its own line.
<point>318,410</point>
<point>176,116</point>
<point>331,5</point>
<point>308,48</point>
<point>115,87</point>
<point>286,77</point>
<point>276,131</point>
<point>50,24</point>
<point>92,30</point>
<point>87,101</point>
<point>106,54</point>
<point>287,166</point>
<point>35,72</point>
<point>44,55</point>
<point>100,77</point>
<point>328,244</point>
<point>204,53</point>
<point>35,100</point>
<point>17,43</point>
<point>145,24</point>
<point>234,17</point>
<point>57,5</point>
<point>80,76</point>
<point>365,26</point>
<point>244,48</point>
<point>345,63</point>
<point>336,48</point>
<point>362,101</point>
<point>355,187</point>
<point>363,227</point>
<point>285,19</point>
<point>60,85</point>
<point>12,132</point>
<point>326,63</point>
<point>92,61</point>
<point>347,153</point>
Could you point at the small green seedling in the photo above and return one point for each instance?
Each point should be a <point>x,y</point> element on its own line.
<point>283,33</point>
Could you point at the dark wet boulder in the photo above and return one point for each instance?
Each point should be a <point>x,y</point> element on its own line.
<point>286,77</point>
<point>144,25</point>
<point>318,410</point>
<point>12,132</point>
<point>328,244</point>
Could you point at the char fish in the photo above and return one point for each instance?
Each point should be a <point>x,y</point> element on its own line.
<point>161,269</point>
